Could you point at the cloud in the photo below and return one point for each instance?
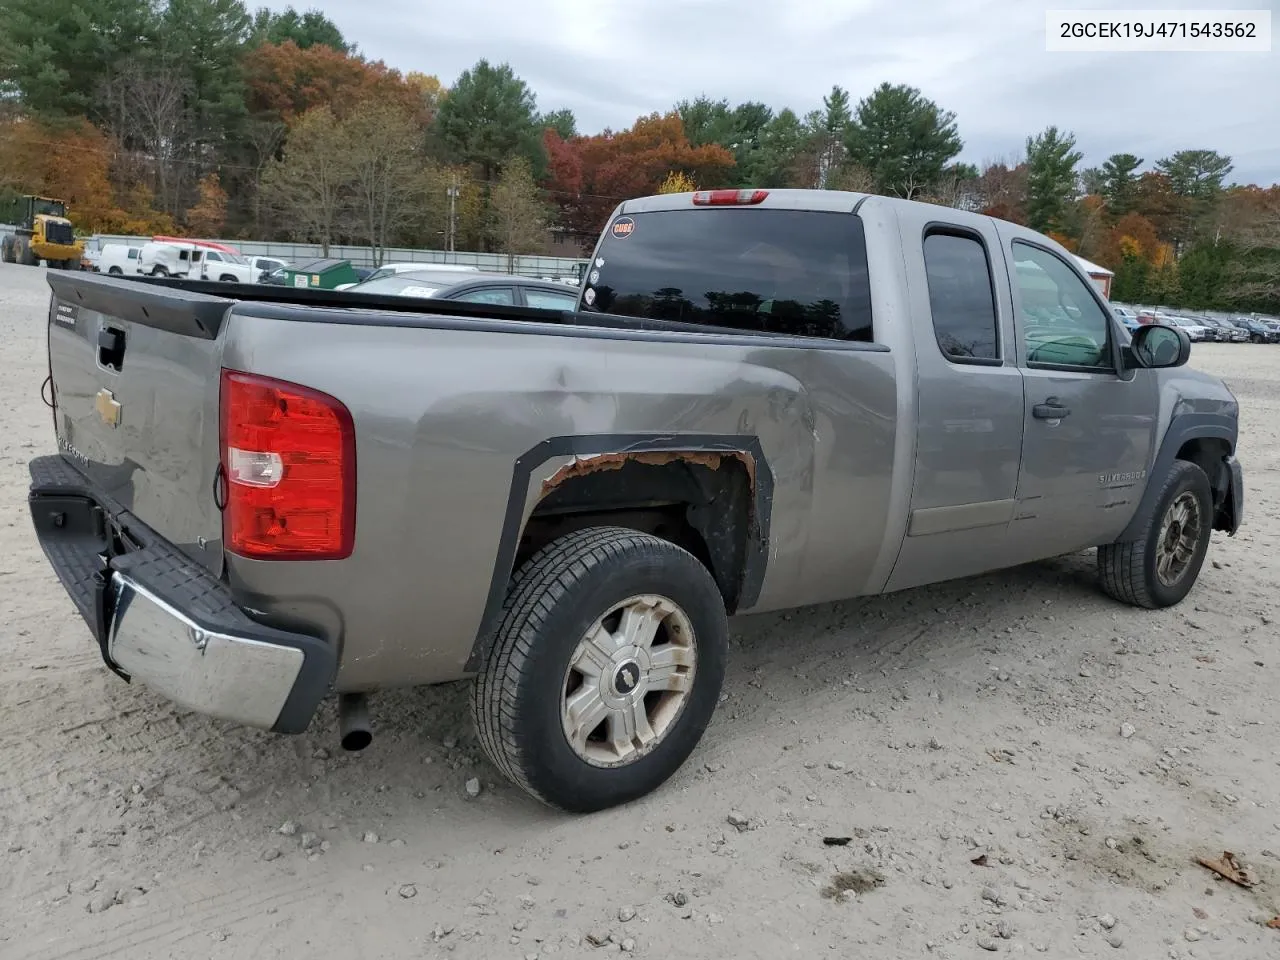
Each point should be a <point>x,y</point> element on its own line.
<point>985,60</point>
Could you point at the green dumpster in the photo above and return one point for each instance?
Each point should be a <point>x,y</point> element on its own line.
<point>320,274</point>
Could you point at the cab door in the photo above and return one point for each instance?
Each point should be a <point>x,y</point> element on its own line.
<point>969,400</point>
<point>1089,424</point>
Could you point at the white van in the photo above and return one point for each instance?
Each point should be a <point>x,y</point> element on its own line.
<point>117,259</point>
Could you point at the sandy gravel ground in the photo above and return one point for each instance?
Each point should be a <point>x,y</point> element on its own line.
<point>1022,766</point>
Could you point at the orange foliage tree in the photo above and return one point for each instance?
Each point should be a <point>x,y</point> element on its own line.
<point>588,176</point>
<point>209,214</point>
<point>72,161</point>
<point>285,81</point>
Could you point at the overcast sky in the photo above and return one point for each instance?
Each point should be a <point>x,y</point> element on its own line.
<point>985,60</point>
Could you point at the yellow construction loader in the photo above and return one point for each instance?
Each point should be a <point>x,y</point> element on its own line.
<point>43,233</point>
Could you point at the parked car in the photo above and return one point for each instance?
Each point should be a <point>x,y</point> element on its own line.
<point>1126,316</point>
<point>567,507</point>
<point>1258,331</point>
<point>1195,329</point>
<point>1227,331</point>
<point>497,288</point>
<point>118,260</point>
<point>390,269</point>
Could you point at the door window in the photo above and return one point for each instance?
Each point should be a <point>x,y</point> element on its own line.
<point>546,300</point>
<point>1062,324</point>
<point>489,295</point>
<point>961,298</point>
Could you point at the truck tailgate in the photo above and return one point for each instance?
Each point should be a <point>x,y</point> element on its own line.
<point>135,371</point>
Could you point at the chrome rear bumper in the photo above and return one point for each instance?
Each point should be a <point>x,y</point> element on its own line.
<point>202,668</point>
<point>166,621</point>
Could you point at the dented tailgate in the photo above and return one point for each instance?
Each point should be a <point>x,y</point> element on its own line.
<point>135,370</point>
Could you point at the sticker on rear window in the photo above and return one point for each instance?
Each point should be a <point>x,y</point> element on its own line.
<point>589,297</point>
<point>595,276</point>
<point>623,227</point>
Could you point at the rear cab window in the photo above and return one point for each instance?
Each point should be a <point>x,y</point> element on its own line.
<point>794,272</point>
<point>961,296</point>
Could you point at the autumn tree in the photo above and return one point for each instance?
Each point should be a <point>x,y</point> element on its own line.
<point>308,188</point>
<point>588,176</point>
<point>71,160</point>
<point>209,214</point>
<point>1051,177</point>
<point>488,118</point>
<point>903,139</point>
<point>285,81</point>
<point>1001,190</point>
<point>517,215</point>
<point>384,169</point>
<point>677,182</point>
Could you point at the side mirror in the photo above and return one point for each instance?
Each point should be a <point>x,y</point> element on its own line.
<point>1155,345</point>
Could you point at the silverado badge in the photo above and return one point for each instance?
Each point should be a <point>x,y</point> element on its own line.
<point>108,407</point>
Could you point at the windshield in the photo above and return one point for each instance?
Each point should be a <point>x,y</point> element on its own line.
<point>52,208</point>
<point>800,273</point>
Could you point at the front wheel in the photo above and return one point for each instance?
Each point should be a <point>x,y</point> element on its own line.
<point>605,671</point>
<point>159,272</point>
<point>1160,567</point>
<point>116,272</point>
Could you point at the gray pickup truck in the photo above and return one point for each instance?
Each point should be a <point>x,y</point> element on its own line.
<point>266,496</point>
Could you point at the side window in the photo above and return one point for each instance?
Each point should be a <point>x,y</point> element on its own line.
<point>213,255</point>
<point>961,298</point>
<point>133,253</point>
<point>545,300</point>
<point>490,295</point>
<point>1063,325</point>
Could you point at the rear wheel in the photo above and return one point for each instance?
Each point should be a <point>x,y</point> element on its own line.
<point>605,671</point>
<point>159,272</point>
<point>115,272</point>
<point>1160,567</point>
<point>227,278</point>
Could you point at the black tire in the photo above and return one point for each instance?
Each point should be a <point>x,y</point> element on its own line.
<point>115,272</point>
<point>1128,571</point>
<point>227,278</point>
<point>159,272</point>
<point>553,599</point>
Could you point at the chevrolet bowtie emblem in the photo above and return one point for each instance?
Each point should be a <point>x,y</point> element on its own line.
<point>108,407</point>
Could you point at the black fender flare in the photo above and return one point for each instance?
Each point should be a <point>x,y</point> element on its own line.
<point>1183,427</point>
<point>596,444</point>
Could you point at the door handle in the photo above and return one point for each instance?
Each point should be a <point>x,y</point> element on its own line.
<point>1050,410</point>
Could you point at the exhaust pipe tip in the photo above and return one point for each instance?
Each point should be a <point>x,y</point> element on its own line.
<point>354,730</point>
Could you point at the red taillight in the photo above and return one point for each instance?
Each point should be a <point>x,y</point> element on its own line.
<point>289,456</point>
<point>728,198</point>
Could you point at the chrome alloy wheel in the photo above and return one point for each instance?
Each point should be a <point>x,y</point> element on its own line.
<point>628,680</point>
<point>1179,537</point>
